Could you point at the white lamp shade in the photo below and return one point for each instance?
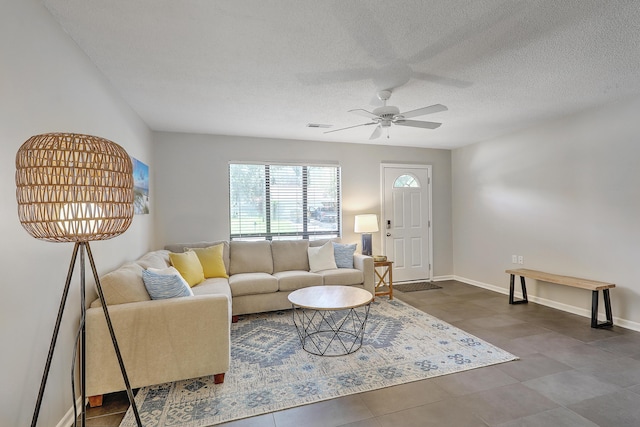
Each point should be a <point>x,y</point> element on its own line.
<point>366,223</point>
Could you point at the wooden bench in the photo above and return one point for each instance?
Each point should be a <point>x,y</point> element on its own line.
<point>575,282</point>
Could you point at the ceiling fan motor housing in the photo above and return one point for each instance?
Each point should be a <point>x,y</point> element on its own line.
<point>386,112</point>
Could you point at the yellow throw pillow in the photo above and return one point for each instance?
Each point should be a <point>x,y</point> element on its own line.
<point>189,267</point>
<point>211,260</point>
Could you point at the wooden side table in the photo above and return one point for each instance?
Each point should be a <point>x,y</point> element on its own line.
<point>384,277</point>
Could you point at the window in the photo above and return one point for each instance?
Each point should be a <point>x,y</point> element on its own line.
<point>406,181</point>
<point>271,201</point>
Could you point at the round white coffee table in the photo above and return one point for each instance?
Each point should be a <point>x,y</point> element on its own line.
<point>330,320</point>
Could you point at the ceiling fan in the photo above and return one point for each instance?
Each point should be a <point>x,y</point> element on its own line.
<point>384,116</point>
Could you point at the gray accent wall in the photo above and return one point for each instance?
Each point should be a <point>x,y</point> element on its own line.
<point>48,85</point>
<point>565,195</point>
<point>192,197</point>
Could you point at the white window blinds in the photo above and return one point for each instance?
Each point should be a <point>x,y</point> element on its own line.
<point>283,201</point>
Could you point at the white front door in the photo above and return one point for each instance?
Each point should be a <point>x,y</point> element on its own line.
<point>406,220</point>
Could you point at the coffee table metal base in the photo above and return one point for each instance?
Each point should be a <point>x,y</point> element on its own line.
<point>331,332</point>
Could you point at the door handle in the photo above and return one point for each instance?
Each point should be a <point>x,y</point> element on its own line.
<point>388,234</point>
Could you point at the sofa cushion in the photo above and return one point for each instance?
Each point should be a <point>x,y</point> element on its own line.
<point>123,285</point>
<point>342,276</point>
<point>252,283</point>
<point>181,247</point>
<point>211,260</point>
<point>343,254</point>
<point>250,257</point>
<point>189,266</point>
<point>165,283</point>
<point>292,280</point>
<point>321,258</point>
<point>290,255</point>
<point>155,259</point>
<point>214,286</point>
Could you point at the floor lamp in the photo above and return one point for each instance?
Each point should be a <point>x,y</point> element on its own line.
<point>75,188</point>
<point>366,224</point>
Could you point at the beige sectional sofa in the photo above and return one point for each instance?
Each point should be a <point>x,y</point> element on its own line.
<point>179,338</point>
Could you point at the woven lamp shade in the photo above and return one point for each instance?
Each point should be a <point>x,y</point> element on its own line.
<point>73,187</point>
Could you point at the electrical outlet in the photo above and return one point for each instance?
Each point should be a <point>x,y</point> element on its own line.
<point>520,259</point>
<point>514,259</point>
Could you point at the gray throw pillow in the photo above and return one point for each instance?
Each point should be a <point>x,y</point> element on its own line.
<point>163,284</point>
<point>344,254</point>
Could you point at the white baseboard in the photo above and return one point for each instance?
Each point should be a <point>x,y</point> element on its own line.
<point>550,303</point>
<point>67,420</point>
<point>435,279</point>
<point>443,278</point>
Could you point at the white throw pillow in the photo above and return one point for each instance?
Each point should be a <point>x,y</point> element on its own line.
<point>321,258</point>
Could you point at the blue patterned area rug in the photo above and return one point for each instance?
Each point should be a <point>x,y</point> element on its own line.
<point>270,371</point>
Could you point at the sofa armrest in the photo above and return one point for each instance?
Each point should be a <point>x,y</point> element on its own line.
<point>160,341</point>
<point>365,264</point>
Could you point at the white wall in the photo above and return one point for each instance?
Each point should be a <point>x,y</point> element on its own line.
<point>192,183</point>
<point>565,196</point>
<point>48,85</point>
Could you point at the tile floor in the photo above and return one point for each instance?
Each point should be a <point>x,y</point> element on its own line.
<point>568,375</point>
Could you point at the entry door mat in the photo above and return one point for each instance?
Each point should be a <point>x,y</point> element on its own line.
<point>416,286</point>
<point>270,371</point>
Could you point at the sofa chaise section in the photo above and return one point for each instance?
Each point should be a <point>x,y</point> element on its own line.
<point>160,340</point>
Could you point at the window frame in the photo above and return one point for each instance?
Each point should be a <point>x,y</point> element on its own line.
<point>294,235</point>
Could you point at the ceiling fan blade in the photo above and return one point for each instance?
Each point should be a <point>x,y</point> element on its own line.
<point>349,127</point>
<point>418,124</point>
<point>365,113</point>
<point>424,110</point>
<point>376,132</point>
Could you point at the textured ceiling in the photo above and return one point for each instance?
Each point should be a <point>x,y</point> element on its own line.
<point>268,68</point>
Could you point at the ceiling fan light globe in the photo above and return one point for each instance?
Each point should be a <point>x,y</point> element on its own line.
<point>384,95</point>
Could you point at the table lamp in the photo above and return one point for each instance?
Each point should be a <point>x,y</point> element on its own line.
<point>366,224</point>
<point>75,188</point>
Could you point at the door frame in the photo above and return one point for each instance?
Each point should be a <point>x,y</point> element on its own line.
<point>383,229</point>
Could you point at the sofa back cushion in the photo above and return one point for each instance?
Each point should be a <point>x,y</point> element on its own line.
<point>155,259</point>
<point>250,257</point>
<point>123,285</point>
<point>289,255</point>
<point>321,242</point>
<point>181,247</point>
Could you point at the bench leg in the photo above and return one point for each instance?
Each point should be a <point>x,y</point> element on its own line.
<point>607,309</point>
<point>524,299</point>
